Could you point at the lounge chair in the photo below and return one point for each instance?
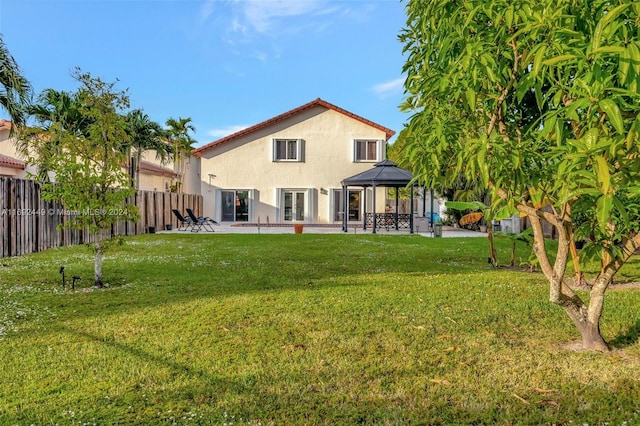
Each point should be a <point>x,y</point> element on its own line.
<point>185,222</point>
<point>200,222</point>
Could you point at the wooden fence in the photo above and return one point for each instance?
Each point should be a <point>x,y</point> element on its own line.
<point>28,224</point>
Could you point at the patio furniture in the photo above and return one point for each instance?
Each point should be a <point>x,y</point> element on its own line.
<point>184,222</point>
<point>200,222</point>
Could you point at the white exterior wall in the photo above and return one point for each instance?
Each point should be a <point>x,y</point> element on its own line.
<point>247,163</point>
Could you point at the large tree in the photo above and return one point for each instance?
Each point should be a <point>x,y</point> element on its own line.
<point>88,166</point>
<point>15,90</point>
<point>539,102</point>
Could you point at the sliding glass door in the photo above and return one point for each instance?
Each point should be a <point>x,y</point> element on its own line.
<point>235,206</point>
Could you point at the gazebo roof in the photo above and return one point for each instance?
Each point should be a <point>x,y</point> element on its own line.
<point>384,173</point>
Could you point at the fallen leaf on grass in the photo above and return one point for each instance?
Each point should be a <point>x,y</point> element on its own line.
<point>452,320</point>
<point>451,349</point>
<point>540,390</point>
<point>440,381</point>
<point>418,327</point>
<point>293,346</point>
<point>520,398</point>
<point>445,336</point>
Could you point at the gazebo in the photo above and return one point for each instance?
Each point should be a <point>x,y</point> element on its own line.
<point>387,174</point>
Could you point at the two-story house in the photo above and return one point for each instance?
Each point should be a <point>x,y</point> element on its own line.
<point>289,168</point>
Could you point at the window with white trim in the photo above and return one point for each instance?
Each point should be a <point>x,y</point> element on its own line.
<point>365,150</point>
<point>288,150</point>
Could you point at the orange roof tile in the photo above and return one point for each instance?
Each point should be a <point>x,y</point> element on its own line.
<point>5,124</point>
<point>266,123</point>
<point>155,169</point>
<point>14,163</point>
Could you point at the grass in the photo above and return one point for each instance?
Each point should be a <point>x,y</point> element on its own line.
<point>304,329</point>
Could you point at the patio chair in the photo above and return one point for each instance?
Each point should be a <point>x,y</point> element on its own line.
<point>184,222</point>
<point>200,222</point>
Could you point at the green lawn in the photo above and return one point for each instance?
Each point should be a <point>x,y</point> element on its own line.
<point>304,329</point>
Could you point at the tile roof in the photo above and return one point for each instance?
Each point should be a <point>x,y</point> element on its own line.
<point>148,167</point>
<point>14,163</point>
<point>266,123</point>
<point>5,124</point>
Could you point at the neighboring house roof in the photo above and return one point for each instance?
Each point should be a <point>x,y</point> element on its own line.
<point>147,167</point>
<point>266,123</point>
<point>5,124</point>
<point>14,163</point>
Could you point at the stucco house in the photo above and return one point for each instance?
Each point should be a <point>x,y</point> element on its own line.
<point>11,165</point>
<point>289,168</point>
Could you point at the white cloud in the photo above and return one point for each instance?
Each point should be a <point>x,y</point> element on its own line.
<point>264,15</point>
<point>206,10</point>
<point>225,131</point>
<point>388,89</point>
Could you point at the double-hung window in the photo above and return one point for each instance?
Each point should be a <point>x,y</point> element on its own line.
<point>365,150</point>
<point>288,150</point>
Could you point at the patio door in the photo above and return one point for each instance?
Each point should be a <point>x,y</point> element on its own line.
<point>235,206</point>
<point>354,208</point>
<point>294,202</point>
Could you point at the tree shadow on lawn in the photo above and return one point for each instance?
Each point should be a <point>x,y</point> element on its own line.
<point>630,338</point>
<point>195,374</point>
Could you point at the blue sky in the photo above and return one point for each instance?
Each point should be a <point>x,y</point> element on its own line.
<point>227,64</point>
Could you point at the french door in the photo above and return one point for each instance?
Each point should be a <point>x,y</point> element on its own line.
<point>294,202</point>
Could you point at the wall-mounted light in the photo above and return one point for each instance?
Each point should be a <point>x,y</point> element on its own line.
<point>323,191</point>
<point>211,176</point>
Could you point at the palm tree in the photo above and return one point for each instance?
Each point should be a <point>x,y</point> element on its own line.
<point>15,90</point>
<point>181,142</point>
<point>53,108</point>
<point>146,135</point>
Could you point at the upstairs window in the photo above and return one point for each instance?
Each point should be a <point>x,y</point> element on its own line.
<point>365,150</point>
<point>287,150</point>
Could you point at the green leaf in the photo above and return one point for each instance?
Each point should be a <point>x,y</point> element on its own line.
<point>471,98</point>
<point>602,171</point>
<point>590,139</point>
<point>464,205</point>
<point>613,114</point>
<point>608,49</point>
<point>604,206</point>
<point>558,59</point>
<point>537,60</point>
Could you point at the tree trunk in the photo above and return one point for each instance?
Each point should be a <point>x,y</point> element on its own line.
<point>97,271</point>
<point>585,318</point>
<point>493,258</point>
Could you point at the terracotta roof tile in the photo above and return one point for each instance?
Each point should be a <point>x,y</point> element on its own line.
<point>266,123</point>
<point>14,163</point>
<point>5,124</point>
<point>155,169</point>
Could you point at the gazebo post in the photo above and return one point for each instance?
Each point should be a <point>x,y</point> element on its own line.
<point>397,205</point>
<point>411,217</point>
<point>364,208</point>
<point>374,208</point>
<point>345,198</point>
